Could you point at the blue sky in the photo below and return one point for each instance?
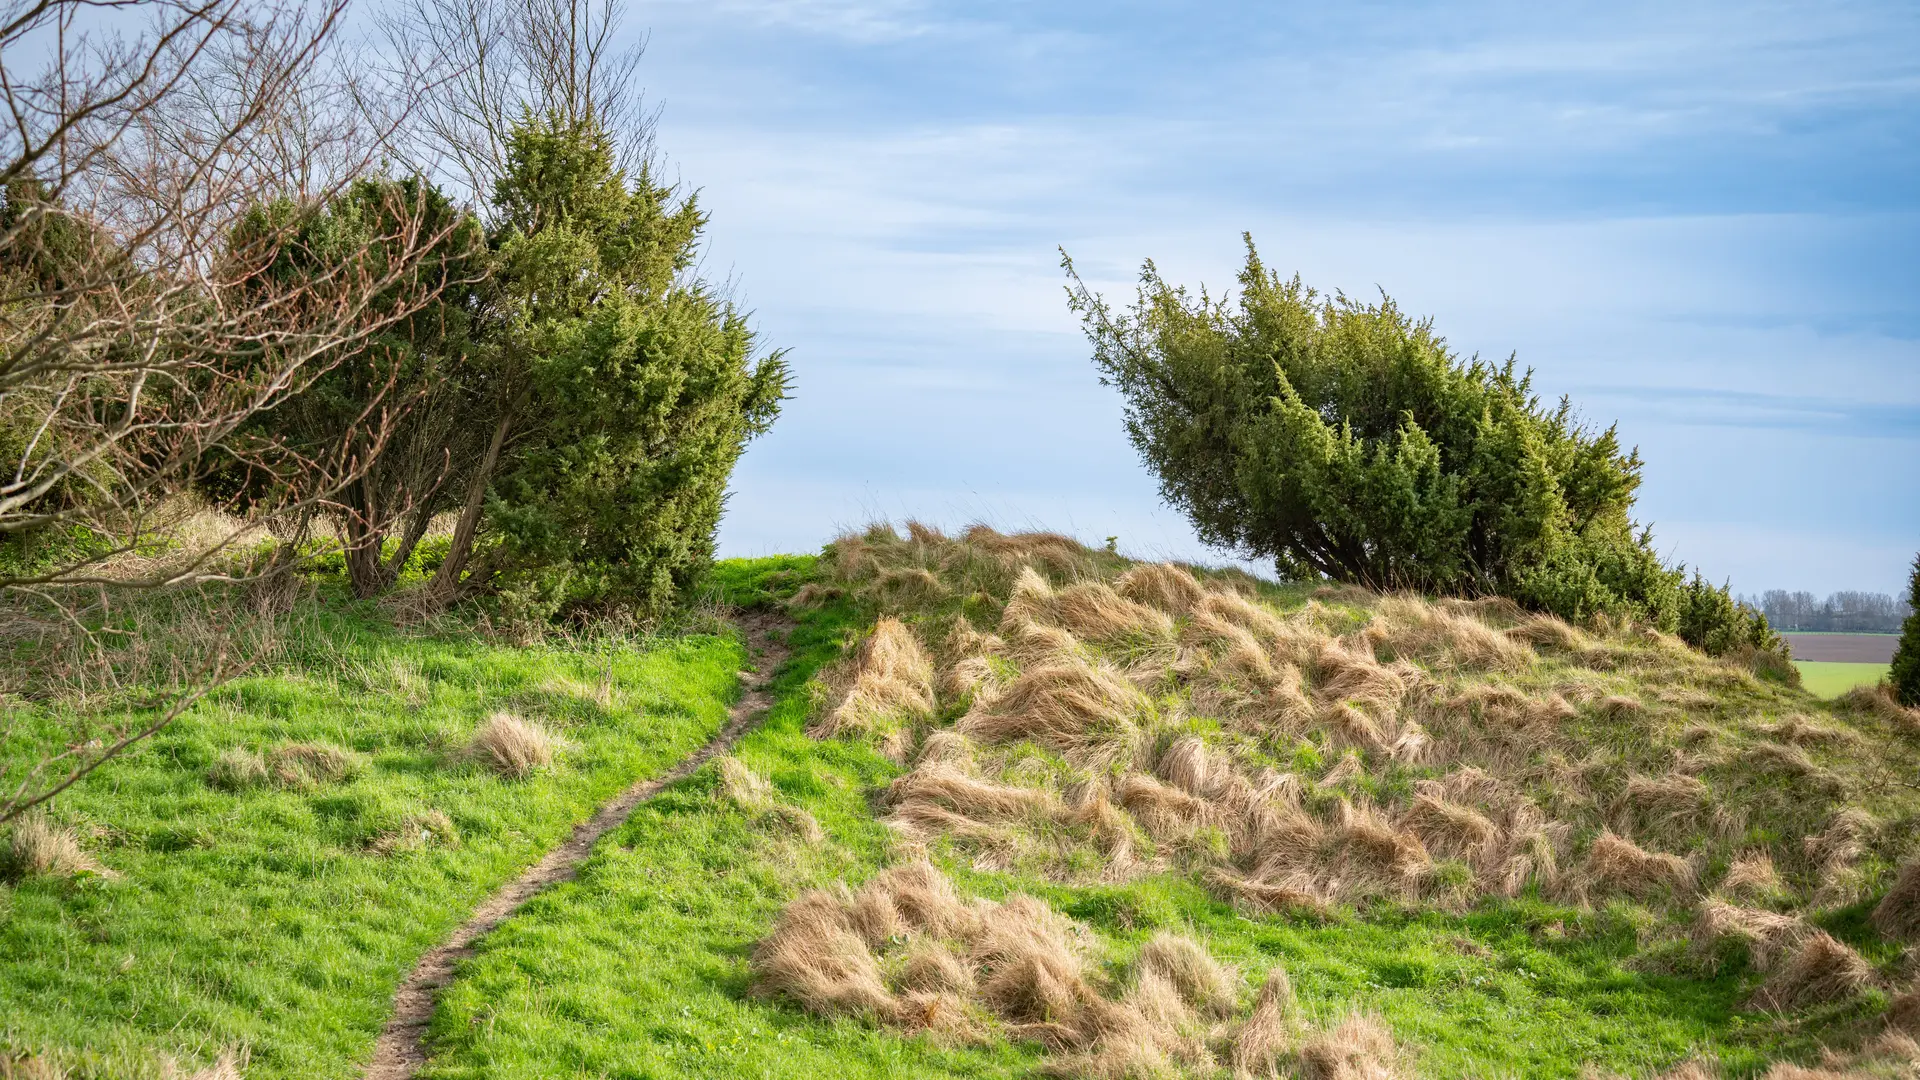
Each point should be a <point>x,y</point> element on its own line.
<point>1700,220</point>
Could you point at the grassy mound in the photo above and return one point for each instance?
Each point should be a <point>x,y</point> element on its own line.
<point>1061,715</point>
<point>778,914</point>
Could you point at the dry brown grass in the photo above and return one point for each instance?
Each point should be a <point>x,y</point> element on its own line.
<point>1093,611</point>
<point>238,768</point>
<point>1878,701</point>
<point>299,766</point>
<point>1202,982</point>
<point>907,951</point>
<point>1752,876</point>
<point>1766,934</point>
<point>510,746</point>
<point>1446,639</point>
<point>1360,1048</point>
<point>1127,707</point>
<point>1616,864</point>
<point>1898,913</point>
<point>37,846</point>
<point>891,685</point>
<point>417,832</point>
<point>1820,970</point>
<point>814,956</point>
<point>1266,1034</point>
<point>1091,714</point>
<point>1903,1013</point>
<point>1162,585</point>
<point>307,765</point>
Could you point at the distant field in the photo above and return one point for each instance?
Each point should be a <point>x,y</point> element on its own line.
<point>1828,679</point>
<point>1844,648</point>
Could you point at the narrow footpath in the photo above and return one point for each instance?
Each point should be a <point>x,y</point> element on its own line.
<point>402,1049</point>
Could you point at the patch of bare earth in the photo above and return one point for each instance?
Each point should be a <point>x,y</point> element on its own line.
<point>401,1049</point>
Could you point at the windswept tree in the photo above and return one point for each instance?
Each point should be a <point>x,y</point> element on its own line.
<point>1345,440</point>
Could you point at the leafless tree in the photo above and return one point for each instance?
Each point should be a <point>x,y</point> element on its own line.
<point>497,60</point>
<point>138,336</point>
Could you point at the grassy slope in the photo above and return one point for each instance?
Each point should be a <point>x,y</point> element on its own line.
<point>1829,679</point>
<point>639,968</point>
<point>261,918</point>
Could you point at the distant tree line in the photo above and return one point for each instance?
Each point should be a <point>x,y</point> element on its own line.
<point>1841,612</point>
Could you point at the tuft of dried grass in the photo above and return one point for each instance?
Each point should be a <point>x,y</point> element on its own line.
<point>418,832</point>
<point>1897,915</point>
<point>1752,876</point>
<point>510,746</point>
<point>892,684</point>
<point>238,768</point>
<point>37,846</point>
<point>1454,639</point>
<point>1094,611</point>
<point>1295,894</point>
<point>225,1067</point>
<point>814,957</point>
<point>1162,585</point>
<point>1165,812</point>
<point>942,785</point>
<point>1266,1033</point>
<point>1088,713</point>
<point>1203,984</point>
<point>1617,864</point>
<point>1820,970</point>
<point>1360,1048</point>
<point>1878,701</point>
<point>1766,934</point>
<point>1834,849</point>
<point>741,786</point>
<point>308,765</point>
<point>1189,765</point>
<point>1448,828</point>
<point>1903,1013</point>
<point>1549,632</point>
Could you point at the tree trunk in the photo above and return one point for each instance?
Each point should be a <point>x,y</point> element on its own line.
<point>446,581</point>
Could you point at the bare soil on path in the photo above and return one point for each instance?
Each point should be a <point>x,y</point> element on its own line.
<point>401,1049</point>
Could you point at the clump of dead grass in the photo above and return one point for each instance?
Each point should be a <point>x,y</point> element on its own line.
<point>752,794</point>
<point>1539,732</point>
<point>906,951</point>
<point>1820,970</point>
<point>1897,915</point>
<point>513,747</point>
<point>1360,1048</point>
<point>299,766</point>
<point>1163,585</point>
<point>1767,935</point>
<point>891,685</point>
<point>38,846</point>
<point>1752,877</point>
<point>1616,864</point>
<point>418,832</point>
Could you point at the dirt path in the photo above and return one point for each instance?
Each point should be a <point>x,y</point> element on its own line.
<point>401,1049</point>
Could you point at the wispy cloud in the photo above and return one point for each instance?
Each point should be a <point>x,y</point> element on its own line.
<point>1701,220</point>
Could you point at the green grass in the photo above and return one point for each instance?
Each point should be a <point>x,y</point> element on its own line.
<point>1829,679</point>
<point>639,968</point>
<point>262,918</point>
